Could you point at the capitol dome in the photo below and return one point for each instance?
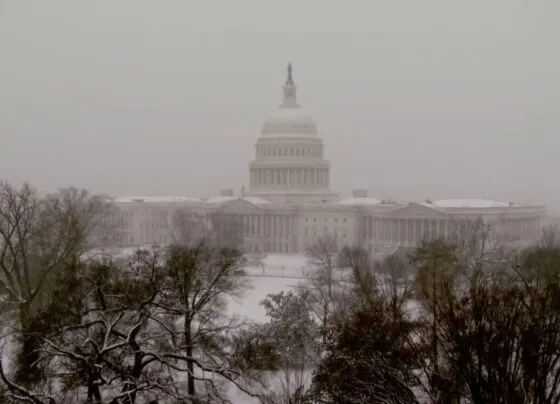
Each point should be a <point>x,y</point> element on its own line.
<point>289,118</point>
<point>289,164</point>
<point>286,121</point>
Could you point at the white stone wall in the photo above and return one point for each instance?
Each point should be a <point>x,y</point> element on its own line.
<point>285,229</point>
<point>338,223</point>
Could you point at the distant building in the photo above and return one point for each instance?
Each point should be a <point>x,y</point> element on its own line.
<point>289,203</point>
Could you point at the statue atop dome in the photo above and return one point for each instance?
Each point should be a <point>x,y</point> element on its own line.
<point>290,79</point>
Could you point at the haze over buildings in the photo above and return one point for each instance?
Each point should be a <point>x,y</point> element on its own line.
<point>290,205</point>
<point>435,100</point>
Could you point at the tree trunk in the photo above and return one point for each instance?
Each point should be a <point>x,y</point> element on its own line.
<point>28,370</point>
<point>190,363</point>
<point>93,394</point>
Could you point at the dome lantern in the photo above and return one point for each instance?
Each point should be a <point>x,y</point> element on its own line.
<point>290,89</point>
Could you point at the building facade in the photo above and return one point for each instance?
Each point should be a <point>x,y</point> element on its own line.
<point>289,204</point>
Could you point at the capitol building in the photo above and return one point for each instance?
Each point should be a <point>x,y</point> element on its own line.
<point>289,203</point>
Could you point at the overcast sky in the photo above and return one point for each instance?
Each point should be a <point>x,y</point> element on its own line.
<point>413,99</point>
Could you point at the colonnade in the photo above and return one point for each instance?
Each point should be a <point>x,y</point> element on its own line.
<point>289,178</point>
<point>267,225</point>
<point>409,232</point>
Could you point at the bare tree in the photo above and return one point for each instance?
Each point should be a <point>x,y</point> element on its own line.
<point>294,334</point>
<point>189,228</point>
<point>437,269</point>
<point>481,246</point>
<point>199,281</point>
<point>40,236</point>
<point>500,339</point>
<point>323,288</point>
<point>368,355</point>
<point>126,334</point>
<point>101,342</point>
<point>227,230</point>
<point>550,237</point>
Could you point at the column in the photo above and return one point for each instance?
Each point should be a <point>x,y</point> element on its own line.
<point>291,177</point>
<point>315,178</point>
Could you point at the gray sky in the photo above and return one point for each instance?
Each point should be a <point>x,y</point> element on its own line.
<point>413,99</point>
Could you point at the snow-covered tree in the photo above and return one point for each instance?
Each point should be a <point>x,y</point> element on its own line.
<point>294,333</point>
<point>39,237</point>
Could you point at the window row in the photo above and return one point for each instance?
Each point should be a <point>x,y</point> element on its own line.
<point>326,219</point>
<point>336,232</point>
<point>254,225</point>
<point>289,177</point>
<point>273,151</point>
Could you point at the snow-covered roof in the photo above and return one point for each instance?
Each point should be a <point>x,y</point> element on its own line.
<point>251,199</point>
<point>155,199</point>
<point>221,199</point>
<point>256,200</point>
<point>360,201</point>
<point>468,203</point>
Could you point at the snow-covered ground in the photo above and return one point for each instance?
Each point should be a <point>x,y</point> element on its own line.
<point>278,273</point>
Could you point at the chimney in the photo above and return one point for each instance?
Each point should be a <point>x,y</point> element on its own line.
<point>359,193</point>
<point>226,192</point>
